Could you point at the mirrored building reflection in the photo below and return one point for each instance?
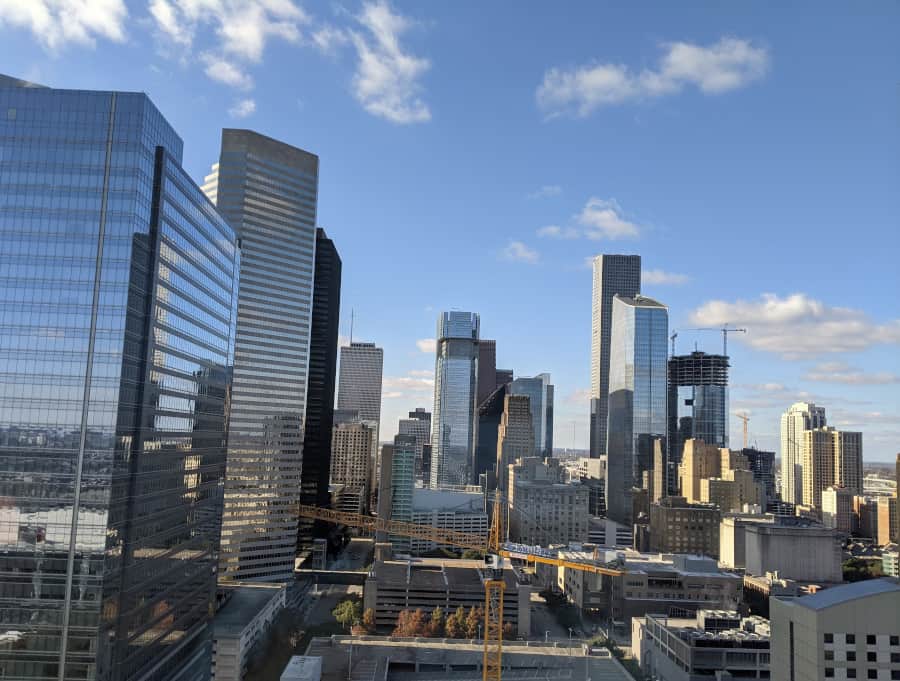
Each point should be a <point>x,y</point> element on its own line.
<point>117,288</point>
<point>637,398</point>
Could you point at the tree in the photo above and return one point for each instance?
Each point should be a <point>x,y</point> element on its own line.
<point>368,621</point>
<point>472,554</point>
<point>347,612</point>
<point>455,626</point>
<point>435,626</point>
<point>508,631</point>
<point>410,623</point>
<point>473,619</point>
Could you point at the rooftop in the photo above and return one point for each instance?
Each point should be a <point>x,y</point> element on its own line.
<point>243,604</point>
<point>845,593</point>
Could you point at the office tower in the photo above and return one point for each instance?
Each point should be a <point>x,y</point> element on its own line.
<point>426,465</point>
<point>699,462</point>
<point>637,397</point>
<point>515,437</point>
<point>830,457</point>
<point>359,386</point>
<point>837,509</point>
<point>504,376</point>
<point>117,292</point>
<point>419,426</point>
<point>659,489</point>
<point>487,368</point>
<point>323,342</point>
<point>453,434</point>
<point>400,484</point>
<point>886,525</point>
<point>763,466</point>
<point>698,401</point>
<point>267,191</point>
<point>677,526</point>
<point>613,274</point>
<point>540,393</point>
<point>800,417</point>
<point>351,462</point>
<point>543,509</point>
<point>848,631</point>
<point>489,413</point>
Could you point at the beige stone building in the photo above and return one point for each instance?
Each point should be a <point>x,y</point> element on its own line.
<point>515,436</point>
<point>543,509</point>
<point>677,526</point>
<point>828,458</point>
<point>699,461</point>
<point>351,467</point>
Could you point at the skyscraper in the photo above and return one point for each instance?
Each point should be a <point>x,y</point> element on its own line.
<point>402,483</point>
<point>637,397</point>
<point>323,340</point>
<point>453,433</point>
<point>359,386</point>
<point>698,402</point>
<point>515,437</point>
<point>351,462</point>
<point>118,280</point>
<point>613,274</point>
<point>539,390</point>
<point>489,413</point>
<point>267,191</point>
<point>830,457</point>
<point>800,417</point>
<point>419,426</point>
<point>487,368</point>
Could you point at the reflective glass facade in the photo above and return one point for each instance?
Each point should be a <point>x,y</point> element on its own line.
<point>453,429</point>
<point>267,191</point>
<point>540,394</point>
<point>637,397</point>
<point>117,282</point>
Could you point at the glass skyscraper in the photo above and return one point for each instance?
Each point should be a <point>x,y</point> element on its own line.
<point>267,190</point>
<point>540,394</point>
<point>637,397</point>
<point>613,274</point>
<point>453,422</point>
<point>117,288</point>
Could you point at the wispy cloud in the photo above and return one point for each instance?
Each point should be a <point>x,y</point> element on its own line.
<point>546,192</point>
<point>838,372</point>
<point>427,345</point>
<point>388,78</point>
<point>57,23</point>
<point>516,251</point>
<point>557,232</point>
<point>728,64</point>
<point>242,108</point>
<point>327,39</point>
<point>663,278</point>
<point>578,396</point>
<point>224,71</point>
<point>798,326</point>
<point>602,219</point>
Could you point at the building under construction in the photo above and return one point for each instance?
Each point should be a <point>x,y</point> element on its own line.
<point>697,404</point>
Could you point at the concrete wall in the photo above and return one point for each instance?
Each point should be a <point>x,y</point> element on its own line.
<point>805,554</point>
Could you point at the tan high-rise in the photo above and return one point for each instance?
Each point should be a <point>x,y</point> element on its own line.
<point>699,461</point>
<point>801,416</point>
<point>829,457</point>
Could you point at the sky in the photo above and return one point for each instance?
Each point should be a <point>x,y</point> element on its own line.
<point>475,156</point>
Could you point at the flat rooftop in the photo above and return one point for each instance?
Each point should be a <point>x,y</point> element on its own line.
<point>436,573</point>
<point>849,592</point>
<point>244,603</point>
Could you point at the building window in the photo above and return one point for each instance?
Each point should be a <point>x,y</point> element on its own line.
<point>829,638</point>
<point>829,655</point>
<point>829,672</point>
<point>870,639</point>
<point>851,639</point>
<point>895,640</point>
<point>851,656</point>
<point>872,657</point>
<point>851,673</point>
<point>872,674</point>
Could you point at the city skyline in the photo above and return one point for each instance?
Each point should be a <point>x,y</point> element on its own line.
<point>691,165</point>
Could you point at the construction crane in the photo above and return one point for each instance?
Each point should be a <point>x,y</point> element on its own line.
<point>746,419</point>
<point>495,551</point>
<point>672,338</point>
<point>725,329</point>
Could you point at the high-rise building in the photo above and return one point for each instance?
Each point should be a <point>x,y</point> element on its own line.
<point>699,461</point>
<point>118,284</point>
<point>487,368</point>
<point>697,401</point>
<point>267,191</point>
<point>504,376</point>
<point>454,426</point>
<point>351,462</point>
<point>489,413</point>
<point>830,457</point>
<point>837,509</point>
<point>800,417</point>
<point>320,392</point>
<point>637,397</point>
<point>613,274</point>
<point>402,483</point>
<point>539,391</point>
<point>419,426</point>
<point>515,437</point>
<point>887,526</point>
<point>677,526</point>
<point>543,508</point>
<point>359,385</point>
<point>763,466</point>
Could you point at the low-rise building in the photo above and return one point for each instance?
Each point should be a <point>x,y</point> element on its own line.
<point>677,526</point>
<point>890,561</point>
<point>244,615</point>
<point>449,509</point>
<point>673,585</point>
<point>851,631</point>
<point>802,552</point>
<point>707,646</point>
<point>732,541</point>
<point>396,585</point>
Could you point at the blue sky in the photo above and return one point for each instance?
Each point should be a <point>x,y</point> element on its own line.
<point>473,155</point>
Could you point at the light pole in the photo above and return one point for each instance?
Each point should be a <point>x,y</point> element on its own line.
<point>479,632</point>
<point>546,636</point>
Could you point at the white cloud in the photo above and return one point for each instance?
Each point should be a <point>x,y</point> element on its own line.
<point>726,65</point>
<point>55,23</point>
<point>838,372</point>
<point>663,278</point>
<point>242,108</point>
<point>387,79</point>
<point>428,345</point>
<point>226,72</point>
<point>328,39</point>
<point>422,373</point>
<point>797,325</point>
<point>557,232</point>
<point>409,382</point>
<point>516,251</point>
<point>579,396</point>
<point>603,220</point>
<point>546,192</point>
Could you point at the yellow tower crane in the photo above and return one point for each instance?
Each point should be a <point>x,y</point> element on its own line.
<point>746,419</point>
<point>495,551</point>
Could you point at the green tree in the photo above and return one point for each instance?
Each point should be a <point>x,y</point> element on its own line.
<point>347,612</point>
<point>435,626</point>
